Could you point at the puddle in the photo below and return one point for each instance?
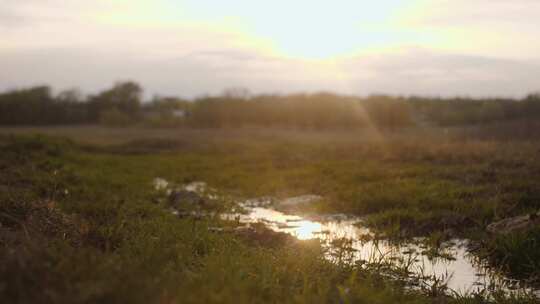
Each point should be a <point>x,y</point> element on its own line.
<point>462,273</point>
<point>456,268</point>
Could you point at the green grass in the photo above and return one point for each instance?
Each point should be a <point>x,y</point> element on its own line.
<point>80,223</point>
<point>517,253</point>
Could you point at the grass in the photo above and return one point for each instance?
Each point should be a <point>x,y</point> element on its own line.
<point>80,223</point>
<point>518,253</point>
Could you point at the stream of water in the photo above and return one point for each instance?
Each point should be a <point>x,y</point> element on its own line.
<point>456,268</point>
<point>459,270</point>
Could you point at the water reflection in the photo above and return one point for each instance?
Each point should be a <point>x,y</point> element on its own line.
<point>462,272</point>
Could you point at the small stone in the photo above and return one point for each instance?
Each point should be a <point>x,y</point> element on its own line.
<point>160,184</point>
<point>300,200</point>
<point>514,224</point>
<point>180,198</point>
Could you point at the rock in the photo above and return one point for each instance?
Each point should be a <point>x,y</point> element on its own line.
<point>514,224</point>
<point>160,184</point>
<point>183,198</point>
<point>197,187</point>
<point>264,201</point>
<point>300,200</point>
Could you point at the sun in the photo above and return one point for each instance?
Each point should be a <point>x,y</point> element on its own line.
<point>308,29</point>
<point>301,29</point>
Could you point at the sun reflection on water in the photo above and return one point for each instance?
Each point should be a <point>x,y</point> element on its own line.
<point>306,230</point>
<point>464,274</point>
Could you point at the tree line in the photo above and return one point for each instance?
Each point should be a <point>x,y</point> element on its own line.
<point>122,104</point>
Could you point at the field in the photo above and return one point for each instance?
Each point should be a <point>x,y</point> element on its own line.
<point>81,222</point>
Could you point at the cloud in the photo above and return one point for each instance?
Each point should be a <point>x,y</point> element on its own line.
<point>10,19</point>
<point>439,73</point>
<point>478,12</point>
<point>191,75</point>
<point>417,72</point>
<point>439,47</point>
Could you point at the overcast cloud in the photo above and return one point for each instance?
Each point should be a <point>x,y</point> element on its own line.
<point>187,48</point>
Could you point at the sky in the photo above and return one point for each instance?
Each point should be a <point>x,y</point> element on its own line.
<point>192,48</point>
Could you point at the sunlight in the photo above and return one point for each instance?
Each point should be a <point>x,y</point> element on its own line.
<point>269,151</point>
<point>311,30</point>
<point>307,229</point>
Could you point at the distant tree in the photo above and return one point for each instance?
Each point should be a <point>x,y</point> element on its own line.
<point>533,96</point>
<point>121,105</point>
<point>236,93</point>
<point>531,105</point>
<point>167,104</point>
<point>32,106</point>
<point>123,96</point>
<point>388,112</point>
<point>70,96</point>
